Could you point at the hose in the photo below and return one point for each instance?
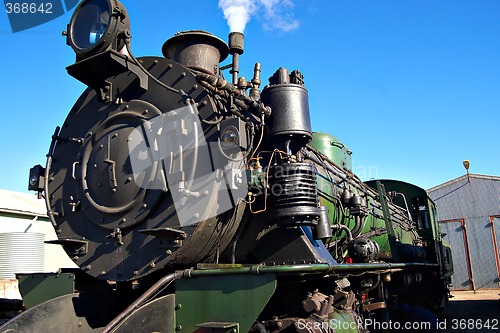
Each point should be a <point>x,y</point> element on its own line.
<point>162,283</point>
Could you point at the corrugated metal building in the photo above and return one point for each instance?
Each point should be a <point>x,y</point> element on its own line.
<point>21,212</point>
<point>469,213</point>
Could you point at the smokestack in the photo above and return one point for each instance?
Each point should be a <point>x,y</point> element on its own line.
<point>196,49</point>
<point>236,42</point>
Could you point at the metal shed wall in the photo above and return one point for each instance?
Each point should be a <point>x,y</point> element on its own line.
<point>474,244</point>
<point>21,212</point>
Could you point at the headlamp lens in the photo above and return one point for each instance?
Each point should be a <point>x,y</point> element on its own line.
<point>91,23</point>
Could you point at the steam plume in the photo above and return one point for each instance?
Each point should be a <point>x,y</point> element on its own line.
<point>275,14</point>
<point>238,13</point>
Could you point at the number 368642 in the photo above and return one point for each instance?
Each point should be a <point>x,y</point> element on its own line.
<point>28,8</point>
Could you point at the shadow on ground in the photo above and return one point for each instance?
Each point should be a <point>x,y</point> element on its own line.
<point>472,311</point>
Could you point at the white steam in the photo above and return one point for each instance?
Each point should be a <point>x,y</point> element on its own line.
<point>275,14</point>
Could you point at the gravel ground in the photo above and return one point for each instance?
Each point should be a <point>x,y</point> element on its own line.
<point>473,311</point>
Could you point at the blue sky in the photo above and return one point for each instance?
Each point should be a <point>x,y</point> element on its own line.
<point>411,87</point>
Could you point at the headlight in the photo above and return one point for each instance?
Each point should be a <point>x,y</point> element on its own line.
<point>96,26</point>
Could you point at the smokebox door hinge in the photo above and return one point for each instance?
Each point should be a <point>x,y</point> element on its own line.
<point>169,238</point>
<point>73,247</point>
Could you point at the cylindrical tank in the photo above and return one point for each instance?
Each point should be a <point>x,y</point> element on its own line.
<point>413,253</point>
<point>333,148</point>
<point>290,119</point>
<point>196,49</point>
<point>21,252</point>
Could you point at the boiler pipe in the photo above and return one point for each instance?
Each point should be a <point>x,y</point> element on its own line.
<point>257,269</point>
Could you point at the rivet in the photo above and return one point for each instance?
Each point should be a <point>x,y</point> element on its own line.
<point>178,327</point>
<point>183,74</point>
<point>114,190</point>
<point>169,252</point>
<point>196,215</point>
<point>103,273</point>
<point>136,272</point>
<point>124,220</point>
<point>178,306</point>
<point>145,206</point>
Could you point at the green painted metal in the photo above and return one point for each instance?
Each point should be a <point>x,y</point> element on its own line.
<point>425,217</point>
<point>428,231</point>
<point>40,287</point>
<point>302,269</point>
<point>333,148</point>
<point>372,222</point>
<point>154,316</point>
<point>221,299</point>
<point>343,321</point>
<point>388,223</point>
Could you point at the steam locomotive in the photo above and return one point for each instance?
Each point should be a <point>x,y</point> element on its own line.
<point>195,204</point>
